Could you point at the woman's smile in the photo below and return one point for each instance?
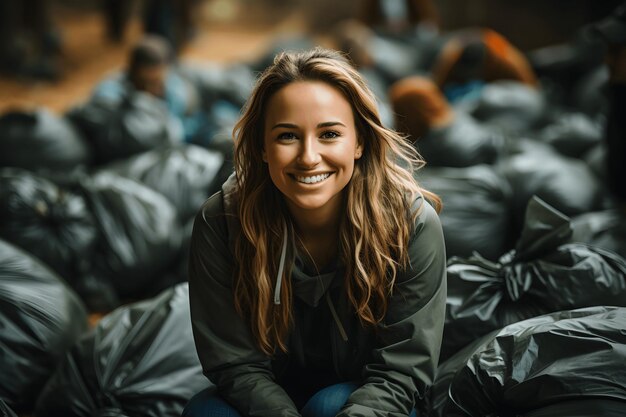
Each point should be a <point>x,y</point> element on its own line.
<point>311,179</point>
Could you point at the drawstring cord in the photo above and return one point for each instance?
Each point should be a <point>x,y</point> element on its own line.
<point>281,267</point>
<point>342,331</point>
<point>279,282</point>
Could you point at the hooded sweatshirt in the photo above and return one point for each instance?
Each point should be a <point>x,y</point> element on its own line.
<point>393,362</point>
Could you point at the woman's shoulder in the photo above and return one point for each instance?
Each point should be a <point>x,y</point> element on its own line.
<point>219,214</point>
<point>425,211</point>
<point>426,219</point>
<point>426,250</point>
<point>223,202</point>
<point>212,215</point>
<point>214,205</point>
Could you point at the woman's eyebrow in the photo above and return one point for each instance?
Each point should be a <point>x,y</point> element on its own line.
<point>287,125</point>
<point>329,124</point>
<point>293,126</point>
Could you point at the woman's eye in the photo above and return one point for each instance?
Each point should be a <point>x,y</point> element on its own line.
<point>287,136</point>
<point>330,135</point>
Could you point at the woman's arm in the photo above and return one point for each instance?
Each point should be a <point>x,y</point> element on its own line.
<point>409,339</point>
<point>224,342</point>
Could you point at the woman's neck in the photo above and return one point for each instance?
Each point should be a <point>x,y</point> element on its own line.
<point>321,222</point>
<point>318,232</point>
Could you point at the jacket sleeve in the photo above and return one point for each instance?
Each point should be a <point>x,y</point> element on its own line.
<point>224,341</point>
<point>409,338</point>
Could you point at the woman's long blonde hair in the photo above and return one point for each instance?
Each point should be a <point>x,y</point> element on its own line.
<point>375,232</point>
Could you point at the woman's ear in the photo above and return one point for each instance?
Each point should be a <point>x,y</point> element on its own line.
<point>358,151</point>
<point>264,155</point>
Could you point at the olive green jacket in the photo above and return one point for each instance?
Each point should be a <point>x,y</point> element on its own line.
<point>395,363</point>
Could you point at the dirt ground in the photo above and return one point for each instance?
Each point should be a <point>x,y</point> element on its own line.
<point>88,56</point>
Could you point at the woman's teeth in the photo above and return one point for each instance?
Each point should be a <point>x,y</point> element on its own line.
<point>314,179</point>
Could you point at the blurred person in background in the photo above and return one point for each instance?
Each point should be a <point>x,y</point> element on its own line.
<point>317,275</point>
<point>171,20</point>
<point>443,136</point>
<point>473,57</point>
<point>419,106</point>
<point>397,16</point>
<point>117,14</point>
<point>30,44</point>
<point>394,38</point>
<point>150,70</point>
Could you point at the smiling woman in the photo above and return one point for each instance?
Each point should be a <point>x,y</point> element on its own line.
<point>317,274</point>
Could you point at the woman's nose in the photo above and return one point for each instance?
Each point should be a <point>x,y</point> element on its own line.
<point>309,154</point>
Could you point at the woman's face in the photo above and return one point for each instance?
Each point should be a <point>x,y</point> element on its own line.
<point>310,145</point>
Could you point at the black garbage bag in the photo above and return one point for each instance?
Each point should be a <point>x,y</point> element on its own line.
<point>393,55</point>
<point>462,143</point>
<point>5,411</point>
<point>98,293</point>
<point>509,105</point>
<point>394,59</point>
<point>603,229</point>
<point>52,223</point>
<point>140,360</point>
<point>596,159</point>
<point>589,94</point>
<point>40,318</point>
<point>215,82</point>
<point>118,129</point>
<point>379,87</point>
<point>565,69</point>
<point>182,264</point>
<point>177,272</point>
<point>543,274</point>
<point>38,139</point>
<point>476,209</point>
<point>569,363</point>
<point>567,184</point>
<point>437,397</point>
<point>597,407</point>
<point>140,232</point>
<point>184,174</point>
<point>572,134</point>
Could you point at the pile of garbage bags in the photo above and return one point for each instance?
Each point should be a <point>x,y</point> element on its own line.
<point>97,207</point>
<point>546,272</point>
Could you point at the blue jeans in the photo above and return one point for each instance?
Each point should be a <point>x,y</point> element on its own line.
<point>325,403</point>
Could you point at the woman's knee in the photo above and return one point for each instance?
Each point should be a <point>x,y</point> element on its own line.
<point>328,401</point>
<point>207,404</point>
